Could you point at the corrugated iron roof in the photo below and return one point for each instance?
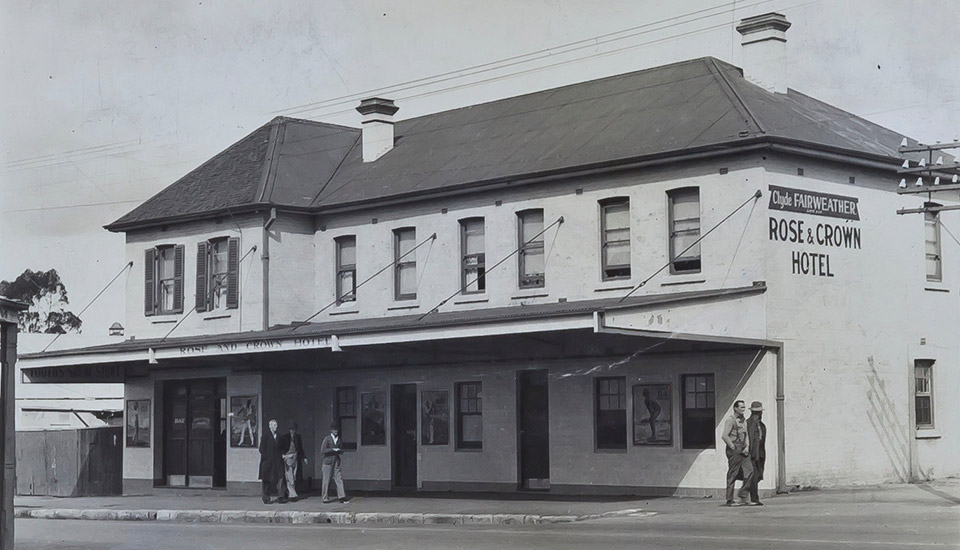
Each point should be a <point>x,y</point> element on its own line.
<point>673,109</point>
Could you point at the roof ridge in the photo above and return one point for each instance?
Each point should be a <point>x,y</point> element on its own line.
<point>285,119</point>
<point>738,102</point>
<point>268,174</point>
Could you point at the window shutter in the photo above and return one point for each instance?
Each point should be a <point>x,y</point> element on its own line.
<point>233,273</point>
<point>178,279</point>
<point>202,276</point>
<point>149,281</point>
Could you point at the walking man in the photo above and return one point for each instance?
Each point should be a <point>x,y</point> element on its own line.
<point>738,453</point>
<point>291,445</point>
<point>757,433</point>
<point>330,452</point>
<point>271,464</point>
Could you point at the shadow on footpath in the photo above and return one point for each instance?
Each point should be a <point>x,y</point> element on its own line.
<point>936,492</point>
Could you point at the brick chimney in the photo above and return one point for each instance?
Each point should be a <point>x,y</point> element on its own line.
<point>764,47</point>
<point>377,127</point>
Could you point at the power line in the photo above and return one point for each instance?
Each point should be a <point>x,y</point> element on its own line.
<point>517,59</point>
<point>126,267</point>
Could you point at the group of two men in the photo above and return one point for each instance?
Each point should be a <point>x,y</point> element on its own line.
<point>746,452</point>
<point>282,458</point>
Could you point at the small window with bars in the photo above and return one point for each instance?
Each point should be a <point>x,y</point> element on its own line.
<point>923,393</point>
<point>469,415</point>
<point>347,416</point>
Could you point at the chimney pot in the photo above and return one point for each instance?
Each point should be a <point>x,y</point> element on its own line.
<point>377,133</point>
<point>764,49</point>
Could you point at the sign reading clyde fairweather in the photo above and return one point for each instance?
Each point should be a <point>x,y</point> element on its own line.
<point>811,202</point>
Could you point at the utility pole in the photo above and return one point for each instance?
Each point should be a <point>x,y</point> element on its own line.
<point>9,316</point>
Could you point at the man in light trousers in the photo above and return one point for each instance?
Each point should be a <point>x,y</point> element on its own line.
<point>330,453</point>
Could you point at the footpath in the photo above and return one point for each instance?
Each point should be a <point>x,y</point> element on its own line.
<point>467,509</point>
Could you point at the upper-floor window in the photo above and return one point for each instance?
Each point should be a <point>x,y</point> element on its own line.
<point>163,280</point>
<point>346,268</point>
<point>684,230</point>
<point>531,264</point>
<point>615,238</point>
<point>473,259</point>
<point>932,245</point>
<point>923,392</point>
<point>217,274</point>
<point>405,263</point>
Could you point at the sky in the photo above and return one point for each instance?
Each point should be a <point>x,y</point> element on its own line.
<point>105,103</point>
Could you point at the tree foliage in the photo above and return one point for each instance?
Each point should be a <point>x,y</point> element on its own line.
<point>47,296</point>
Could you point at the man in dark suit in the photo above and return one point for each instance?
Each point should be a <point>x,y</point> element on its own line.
<point>757,432</point>
<point>271,464</point>
<point>291,445</point>
<point>330,452</point>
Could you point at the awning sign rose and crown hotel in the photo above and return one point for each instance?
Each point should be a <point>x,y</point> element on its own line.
<point>492,297</point>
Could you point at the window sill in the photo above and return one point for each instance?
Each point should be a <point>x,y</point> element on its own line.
<point>469,450</point>
<point>676,280</point>
<point>349,311</point>
<point>531,293</point>
<point>219,316</point>
<point>610,451</point>
<point>934,288</point>
<point>472,300</point>
<point>927,434</point>
<point>401,306</point>
<point>614,286</point>
<point>163,321</point>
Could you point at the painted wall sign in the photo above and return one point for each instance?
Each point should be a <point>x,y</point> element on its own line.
<point>821,234</point>
<point>812,202</point>
<point>73,374</point>
<point>252,346</point>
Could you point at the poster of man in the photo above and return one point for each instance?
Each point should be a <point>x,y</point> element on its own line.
<point>243,424</point>
<point>138,423</point>
<point>372,431</point>
<point>652,421</point>
<point>435,418</point>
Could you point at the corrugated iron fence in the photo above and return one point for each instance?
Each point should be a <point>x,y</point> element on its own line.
<point>84,462</point>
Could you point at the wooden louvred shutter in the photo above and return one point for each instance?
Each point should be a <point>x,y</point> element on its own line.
<point>202,276</point>
<point>149,281</point>
<point>233,273</point>
<point>178,279</point>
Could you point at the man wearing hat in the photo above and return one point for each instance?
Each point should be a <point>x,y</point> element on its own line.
<point>757,432</point>
<point>291,444</point>
<point>738,453</point>
<point>330,452</point>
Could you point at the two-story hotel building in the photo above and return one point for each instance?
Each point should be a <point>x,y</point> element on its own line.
<point>564,291</point>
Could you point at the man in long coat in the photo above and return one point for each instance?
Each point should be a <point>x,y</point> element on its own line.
<point>271,464</point>
<point>757,431</point>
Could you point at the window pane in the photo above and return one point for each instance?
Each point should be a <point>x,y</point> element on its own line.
<point>933,267</point>
<point>686,204</point>
<point>472,426</point>
<point>348,430</point>
<point>617,254</point>
<point>408,279</point>
<point>348,251</point>
<point>406,240</point>
<point>166,294</point>
<point>346,284</point>
<point>473,236</point>
<point>617,216</point>
<point>531,223</point>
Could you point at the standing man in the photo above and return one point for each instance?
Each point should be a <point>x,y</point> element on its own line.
<point>291,445</point>
<point>271,464</point>
<point>330,452</point>
<point>738,453</point>
<point>757,432</point>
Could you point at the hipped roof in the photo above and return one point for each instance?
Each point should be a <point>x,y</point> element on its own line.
<point>695,105</point>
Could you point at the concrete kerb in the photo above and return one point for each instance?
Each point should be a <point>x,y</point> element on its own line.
<point>306,518</point>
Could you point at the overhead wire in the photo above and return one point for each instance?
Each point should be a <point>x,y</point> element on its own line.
<point>115,277</point>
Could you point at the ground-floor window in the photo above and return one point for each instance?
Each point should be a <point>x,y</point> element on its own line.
<point>469,415</point>
<point>611,413</point>
<point>699,412</point>
<point>923,392</point>
<point>347,416</point>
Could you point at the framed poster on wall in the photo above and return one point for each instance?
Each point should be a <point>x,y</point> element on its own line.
<point>652,414</point>
<point>138,423</point>
<point>372,427</point>
<point>434,418</point>
<point>243,421</point>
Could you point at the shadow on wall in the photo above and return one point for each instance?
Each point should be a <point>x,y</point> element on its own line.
<point>893,437</point>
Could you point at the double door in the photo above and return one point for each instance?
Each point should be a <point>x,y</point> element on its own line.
<point>195,433</point>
